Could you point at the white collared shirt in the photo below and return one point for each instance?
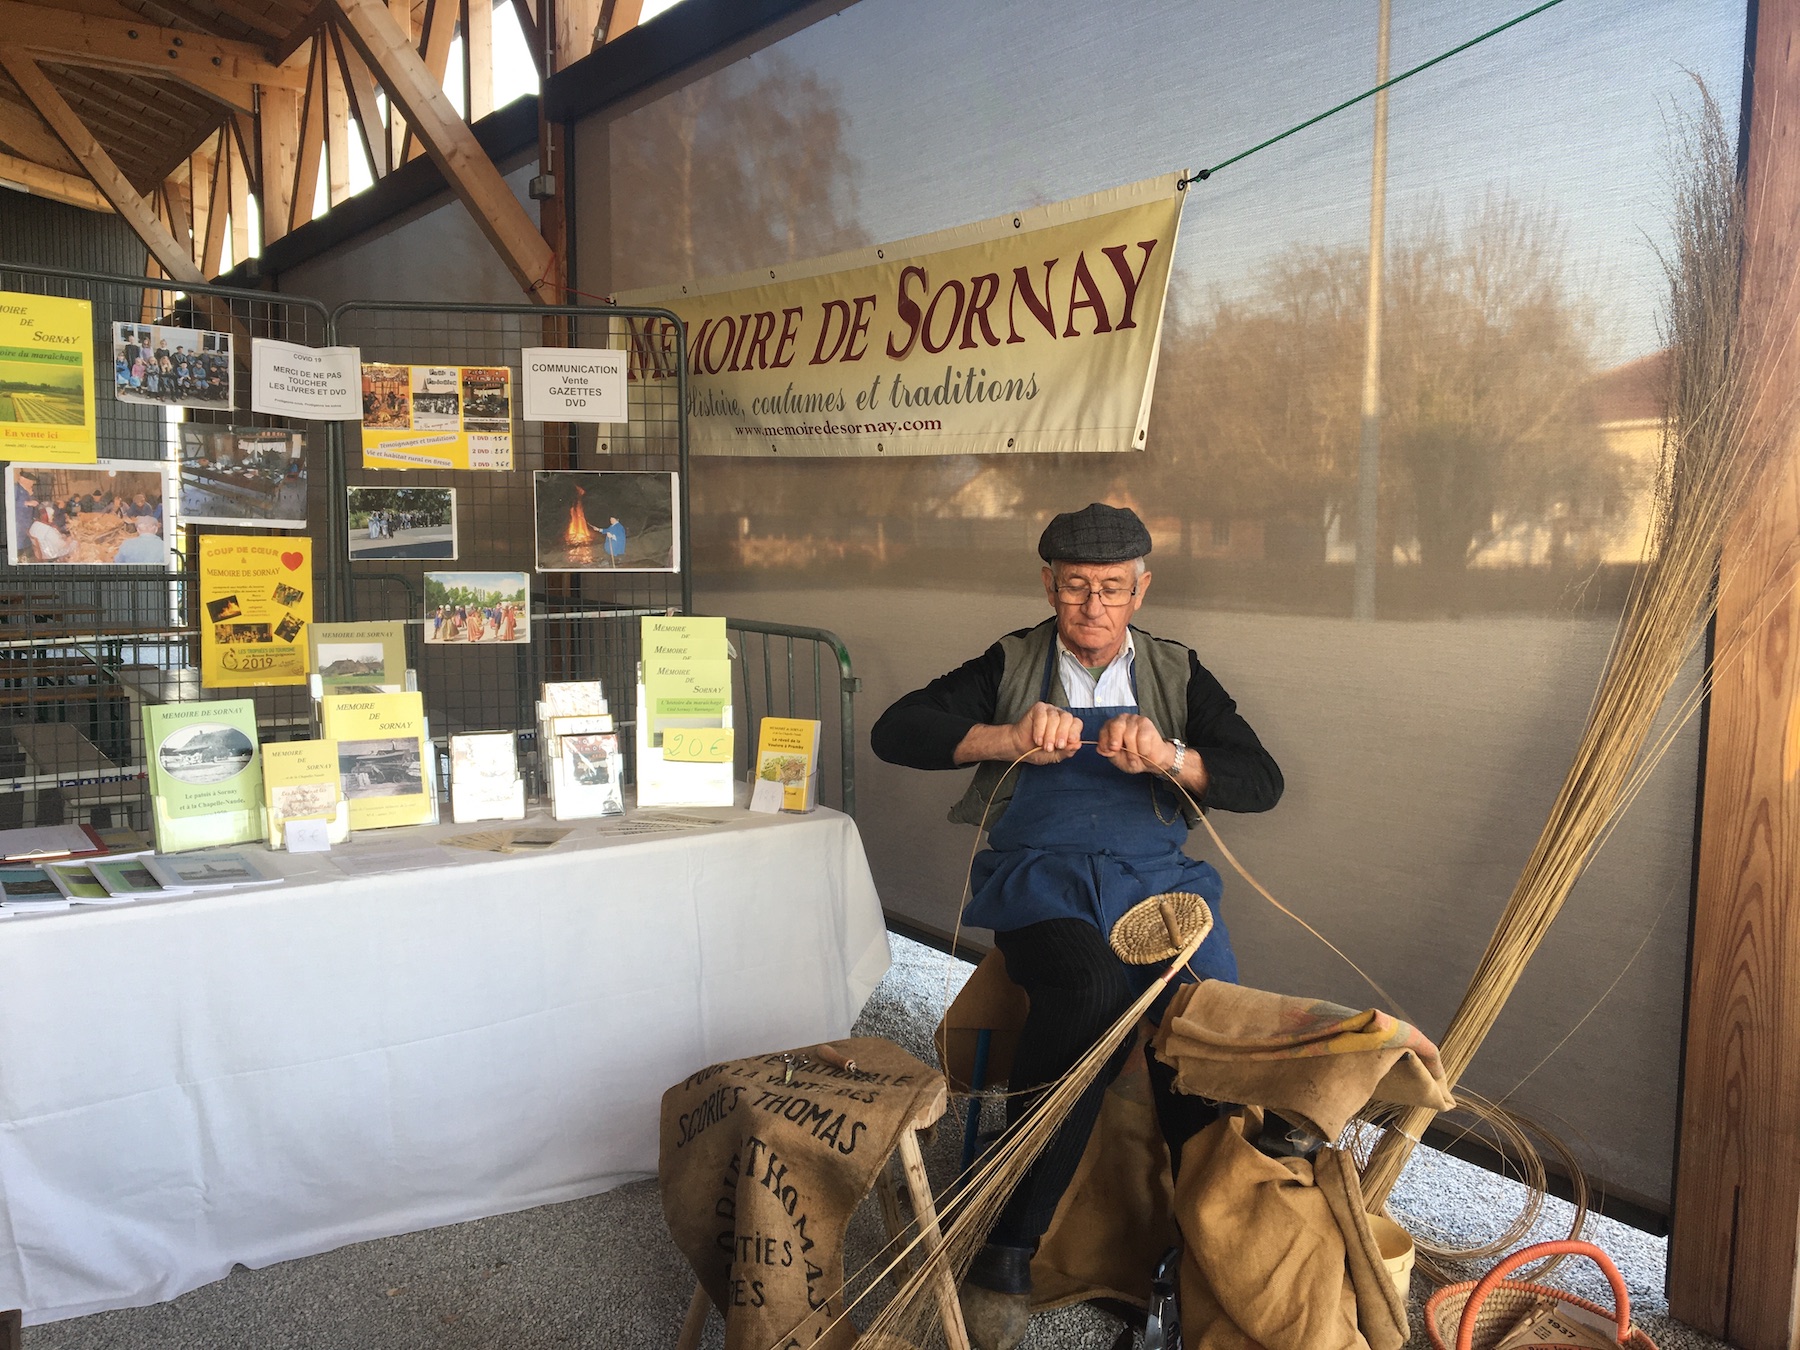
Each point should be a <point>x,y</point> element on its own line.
<point>1114,688</point>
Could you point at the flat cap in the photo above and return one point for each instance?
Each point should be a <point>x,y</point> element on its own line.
<point>1095,534</point>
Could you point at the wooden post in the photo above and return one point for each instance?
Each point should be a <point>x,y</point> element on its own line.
<point>1735,1240</point>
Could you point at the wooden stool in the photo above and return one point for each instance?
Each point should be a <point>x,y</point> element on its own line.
<point>918,1193</point>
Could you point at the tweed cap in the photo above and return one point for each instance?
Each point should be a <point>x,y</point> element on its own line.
<point>1095,534</point>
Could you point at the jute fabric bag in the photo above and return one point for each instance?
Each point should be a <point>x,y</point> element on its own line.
<point>1277,1253</point>
<point>1305,1059</point>
<point>763,1162</point>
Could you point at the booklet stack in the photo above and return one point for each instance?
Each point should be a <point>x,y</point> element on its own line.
<point>205,774</point>
<point>684,690</point>
<point>580,751</point>
<point>484,777</point>
<point>300,782</point>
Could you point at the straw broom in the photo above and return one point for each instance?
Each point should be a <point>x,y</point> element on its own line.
<point>1723,419</point>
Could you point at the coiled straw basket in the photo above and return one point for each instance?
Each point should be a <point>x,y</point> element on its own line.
<point>1477,1315</point>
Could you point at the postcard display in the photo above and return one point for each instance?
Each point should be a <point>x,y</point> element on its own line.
<point>579,746</point>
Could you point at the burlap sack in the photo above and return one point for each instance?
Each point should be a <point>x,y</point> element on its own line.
<point>1265,1263</point>
<point>1305,1059</point>
<point>759,1179</point>
<point>1117,1218</point>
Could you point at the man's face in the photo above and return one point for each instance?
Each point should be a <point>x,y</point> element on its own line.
<point>1094,631</point>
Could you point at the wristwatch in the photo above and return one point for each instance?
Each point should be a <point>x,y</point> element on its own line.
<point>1180,754</point>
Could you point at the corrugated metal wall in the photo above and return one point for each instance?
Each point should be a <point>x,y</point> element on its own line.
<point>48,234</point>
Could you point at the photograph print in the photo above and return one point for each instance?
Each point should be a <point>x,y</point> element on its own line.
<point>381,768</point>
<point>176,367</point>
<point>473,609</point>
<point>606,521</point>
<point>243,476</point>
<point>402,523</point>
<point>107,513</point>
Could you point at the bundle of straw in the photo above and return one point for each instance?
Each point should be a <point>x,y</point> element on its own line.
<point>981,1192</point>
<point>1722,421</point>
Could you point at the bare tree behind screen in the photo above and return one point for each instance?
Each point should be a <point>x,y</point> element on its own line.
<point>1486,431</point>
<point>744,168</point>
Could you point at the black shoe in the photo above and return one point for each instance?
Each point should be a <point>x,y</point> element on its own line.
<point>1005,1270</point>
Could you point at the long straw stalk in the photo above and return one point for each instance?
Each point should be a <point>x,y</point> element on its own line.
<point>1722,420</point>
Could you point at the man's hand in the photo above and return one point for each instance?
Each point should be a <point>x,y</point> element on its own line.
<point>1050,735</point>
<point>1134,745</point>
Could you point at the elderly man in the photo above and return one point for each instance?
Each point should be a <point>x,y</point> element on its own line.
<point>1102,714</point>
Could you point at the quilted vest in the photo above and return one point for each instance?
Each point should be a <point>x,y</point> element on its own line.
<point>1162,685</point>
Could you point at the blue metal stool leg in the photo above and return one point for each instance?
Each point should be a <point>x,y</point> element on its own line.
<point>977,1081</point>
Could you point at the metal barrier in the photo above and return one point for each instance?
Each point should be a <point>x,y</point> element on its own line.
<point>781,671</point>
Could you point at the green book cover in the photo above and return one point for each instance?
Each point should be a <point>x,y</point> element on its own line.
<point>359,658</point>
<point>205,773</point>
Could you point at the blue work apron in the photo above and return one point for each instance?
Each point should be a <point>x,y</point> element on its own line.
<point>1084,840</point>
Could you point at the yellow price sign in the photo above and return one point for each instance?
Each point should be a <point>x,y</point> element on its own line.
<point>698,745</point>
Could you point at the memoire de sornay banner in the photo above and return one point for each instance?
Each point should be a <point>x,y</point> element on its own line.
<point>1072,301</point>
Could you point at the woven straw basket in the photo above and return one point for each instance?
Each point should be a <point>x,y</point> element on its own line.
<point>1477,1316</point>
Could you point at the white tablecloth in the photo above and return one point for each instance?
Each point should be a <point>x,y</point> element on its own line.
<point>253,1076</point>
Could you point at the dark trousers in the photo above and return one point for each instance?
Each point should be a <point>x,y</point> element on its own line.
<point>1078,988</point>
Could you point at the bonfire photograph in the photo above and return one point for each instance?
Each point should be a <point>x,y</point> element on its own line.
<point>606,521</point>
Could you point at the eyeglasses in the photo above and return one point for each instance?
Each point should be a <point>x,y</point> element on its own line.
<point>1077,593</point>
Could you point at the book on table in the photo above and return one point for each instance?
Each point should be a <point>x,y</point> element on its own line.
<point>206,871</point>
<point>787,754</point>
<point>484,777</point>
<point>385,763</point>
<point>24,887</point>
<point>129,879</point>
<point>34,843</point>
<point>358,658</point>
<point>205,774</point>
<point>572,698</point>
<point>77,881</point>
<point>300,782</point>
<point>585,777</point>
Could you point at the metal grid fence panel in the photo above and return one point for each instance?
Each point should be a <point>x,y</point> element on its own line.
<point>84,646</point>
<point>584,623</point>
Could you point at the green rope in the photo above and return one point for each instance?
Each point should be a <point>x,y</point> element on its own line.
<point>1369,93</point>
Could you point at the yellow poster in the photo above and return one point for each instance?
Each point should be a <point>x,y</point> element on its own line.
<point>46,379</point>
<point>1035,331</point>
<point>437,417</point>
<point>255,606</point>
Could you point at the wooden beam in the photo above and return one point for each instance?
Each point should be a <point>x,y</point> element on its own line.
<point>174,52</point>
<point>576,23</point>
<point>618,17</point>
<point>337,123</point>
<point>43,181</point>
<point>478,58</point>
<point>202,170</point>
<point>360,85</point>
<point>25,132</point>
<point>244,131</point>
<point>239,185</point>
<point>239,94</point>
<point>80,143</point>
<point>218,214</point>
<point>434,50</point>
<point>311,144</point>
<point>1734,1248</point>
<point>401,11</point>
<point>277,145</point>
<point>451,145</point>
